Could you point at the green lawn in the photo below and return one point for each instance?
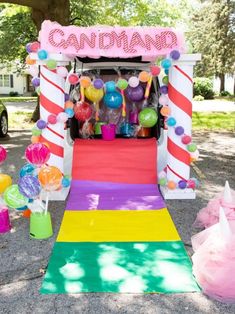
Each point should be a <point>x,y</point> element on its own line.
<point>17,99</point>
<point>214,121</point>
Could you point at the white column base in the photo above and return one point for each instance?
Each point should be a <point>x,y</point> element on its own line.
<point>56,195</point>
<point>177,194</point>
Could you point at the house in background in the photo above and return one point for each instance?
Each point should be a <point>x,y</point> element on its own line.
<point>12,81</point>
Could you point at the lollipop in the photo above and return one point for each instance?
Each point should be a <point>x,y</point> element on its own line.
<point>37,154</point>
<point>3,154</point>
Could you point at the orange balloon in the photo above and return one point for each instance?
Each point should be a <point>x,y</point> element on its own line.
<point>30,61</point>
<point>144,76</point>
<point>171,185</point>
<point>68,104</point>
<point>50,178</point>
<point>165,111</point>
<point>35,139</point>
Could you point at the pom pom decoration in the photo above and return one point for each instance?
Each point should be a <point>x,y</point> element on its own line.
<point>5,182</point>
<point>171,185</point>
<point>52,119</point>
<point>35,81</point>
<point>28,47</point>
<point>155,70</point>
<point>179,130</point>
<point>85,81</point>
<point>36,131</point>
<point>62,117</point>
<point>3,154</point>
<point>73,79</point>
<point>192,147</point>
<point>133,81</point>
<point>30,61</point>
<point>26,170</point>
<point>144,76</point>
<point>191,184</point>
<point>163,100</point>
<point>110,86</point>
<point>51,64</point>
<point>165,111</point>
<point>35,139</point>
<point>186,139</point>
<point>29,186</point>
<point>37,154</point>
<point>171,121</point>
<point>65,182</point>
<point>50,178</point>
<point>162,181</point>
<point>42,54</point>
<point>182,184</point>
<point>41,124</point>
<point>98,83</point>
<point>62,71</point>
<point>147,117</point>
<point>166,63</point>
<point>122,84</point>
<point>35,46</point>
<point>164,89</point>
<point>13,198</point>
<point>66,97</point>
<point>82,111</point>
<point>165,80</point>
<point>135,93</point>
<point>175,54</point>
<point>69,112</point>
<point>68,104</point>
<point>113,100</point>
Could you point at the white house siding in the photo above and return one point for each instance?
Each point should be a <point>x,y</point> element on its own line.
<point>19,83</point>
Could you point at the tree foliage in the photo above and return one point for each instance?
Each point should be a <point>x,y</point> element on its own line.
<point>212,32</point>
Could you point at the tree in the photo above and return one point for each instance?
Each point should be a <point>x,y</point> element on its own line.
<point>212,32</point>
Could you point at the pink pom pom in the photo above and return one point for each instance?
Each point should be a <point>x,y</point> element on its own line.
<point>186,139</point>
<point>52,119</point>
<point>73,79</point>
<point>155,70</point>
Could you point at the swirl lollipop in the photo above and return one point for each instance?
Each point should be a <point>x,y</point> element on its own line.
<point>3,154</point>
<point>37,154</point>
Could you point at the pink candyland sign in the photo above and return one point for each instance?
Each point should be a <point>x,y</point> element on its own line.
<point>108,41</point>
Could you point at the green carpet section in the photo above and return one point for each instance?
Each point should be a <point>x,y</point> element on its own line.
<point>126,267</point>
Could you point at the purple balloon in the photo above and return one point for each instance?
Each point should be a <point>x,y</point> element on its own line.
<point>179,130</point>
<point>182,184</point>
<point>36,81</point>
<point>135,93</point>
<point>29,186</point>
<point>41,124</point>
<point>164,89</point>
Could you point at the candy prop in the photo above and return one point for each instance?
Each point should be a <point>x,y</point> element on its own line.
<point>13,198</point>
<point>85,81</point>
<point>133,81</point>
<point>3,154</point>
<point>108,132</point>
<point>5,224</point>
<point>50,178</point>
<point>95,95</point>
<point>122,84</point>
<point>147,117</point>
<point>148,87</point>
<point>73,79</point>
<point>5,182</point>
<point>98,83</point>
<point>82,111</point>
<point>37,154</point>
<point>135,93</point>
<point>113,100</point>
<point>86,130</point>
<point>29,186</point>
<point>144,76</point>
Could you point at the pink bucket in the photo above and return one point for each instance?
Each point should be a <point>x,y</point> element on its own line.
<point>5,225</point>
<point>108,132</point>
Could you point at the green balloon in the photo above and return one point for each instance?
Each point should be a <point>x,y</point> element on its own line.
<point>165,80</point>
<point>13,198</point>
<point>192,148</point>
<point>36,131</point>
<point>147,117</point>
<point>162,181</point>
<point>122,84</point>
<point>51,64</point>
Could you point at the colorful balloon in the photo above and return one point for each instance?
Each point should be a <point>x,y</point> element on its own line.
<point>164,89</point>
<point>192,147</point>
<point>93,94</point>
<point>65,182</point>
<point>165,111</point>
<point>29,186</point>
<point>35,46</point>
<point>13,198</point>
<point>135,93</point>
<point>5,182</point>
<point>155,70</point>
<point>82,111</point>
<point>33,70</point>
<point>68,104</point>
<point>36,131</point>
<point>182,184</point>
<point>171,185</point>
<point>179,130</point>
<point>37,154</point>
<point>186,139</point>
<point>26,170</point>
<point>30,61</point>
<point>50,178</point>
<point>165,80</point>
<point>162,181</point>
<point>147,117</point>
<point>3,154</point>
<point>113,100</point>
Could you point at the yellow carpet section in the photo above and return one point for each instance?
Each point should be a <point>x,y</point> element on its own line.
<point>117,226</point>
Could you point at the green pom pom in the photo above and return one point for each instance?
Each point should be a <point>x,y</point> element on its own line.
<point>36,131</point>
<point>165,80</point>
<point>192,148</point>
<point>122,84</point>
<point>162,181</point>
<point>51,64</point>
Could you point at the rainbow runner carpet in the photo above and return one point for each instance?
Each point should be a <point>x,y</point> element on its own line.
<point>116,234</point>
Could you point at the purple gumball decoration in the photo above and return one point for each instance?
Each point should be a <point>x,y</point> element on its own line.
<point>182,184</point>
<point>164,89</point>
<point>29,186</point>
<point>175,54</point>
<point>41,124</point>
<point>179,130</point>
<point>135,93</point>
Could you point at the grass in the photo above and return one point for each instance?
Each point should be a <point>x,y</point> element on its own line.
<point>214,121</point>
<point>20,120</point>
<point>17,99</point>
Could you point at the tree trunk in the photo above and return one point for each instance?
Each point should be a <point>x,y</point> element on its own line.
<point>222,82</point>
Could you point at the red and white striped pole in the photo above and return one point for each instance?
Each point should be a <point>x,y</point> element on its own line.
<point>180,93</point>
<point>52,101</point>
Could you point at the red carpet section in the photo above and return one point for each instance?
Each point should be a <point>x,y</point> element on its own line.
<point>121,160</point>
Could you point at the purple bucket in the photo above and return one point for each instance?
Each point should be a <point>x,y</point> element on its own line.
<point>108,132</point>
<point>5,225</point>
<point>133,117</point>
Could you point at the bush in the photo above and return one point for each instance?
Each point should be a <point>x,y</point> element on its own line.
<point>198,98</point>
<point>34,94</point>
<point>204,87</point>
<point>225,93</point>
<point>13,94</point>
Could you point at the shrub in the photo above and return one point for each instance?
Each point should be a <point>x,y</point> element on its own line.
<point>13,94</point>
<point>204,87</point>
<point>34,94</point>
<point>198,98</point>
<point>225,93</point>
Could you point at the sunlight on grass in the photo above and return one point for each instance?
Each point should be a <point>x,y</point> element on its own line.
<point>214,121</point>
<point>20,120</point>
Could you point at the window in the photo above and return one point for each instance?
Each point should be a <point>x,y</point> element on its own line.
<point>6,80</point>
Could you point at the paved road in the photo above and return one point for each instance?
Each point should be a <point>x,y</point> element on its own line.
<point>199,106</point>
<point>23,259</point>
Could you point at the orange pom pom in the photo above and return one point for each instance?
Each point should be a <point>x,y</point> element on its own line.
<point>165,111</point>
<point>85,81</point>
<point>30,61</point>
<point>171,185</point>
<point>68,104</point>
<point>35,139</point>
<point>144,76</point>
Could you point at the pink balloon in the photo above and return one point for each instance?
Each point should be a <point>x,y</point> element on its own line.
<point>163,100</point>
<point>37,154</point>
<point>3,154</point>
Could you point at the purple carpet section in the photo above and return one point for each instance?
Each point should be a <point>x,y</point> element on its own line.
<point>88,195</point>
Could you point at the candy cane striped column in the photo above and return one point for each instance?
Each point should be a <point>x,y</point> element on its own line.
<point>52,102</point>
